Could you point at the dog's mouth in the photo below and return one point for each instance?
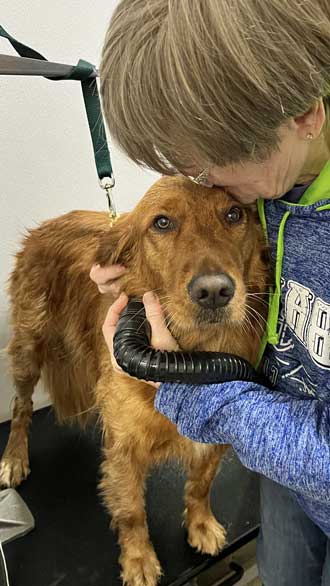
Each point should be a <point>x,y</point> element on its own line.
<point>191,318</point>
<point>205,317</point>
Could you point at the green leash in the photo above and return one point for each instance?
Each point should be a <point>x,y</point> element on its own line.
<point>86,73</point>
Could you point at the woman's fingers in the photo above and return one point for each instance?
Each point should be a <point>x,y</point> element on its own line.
<point>106,277</point>
<point>161,338</point>
<point>109,326</point>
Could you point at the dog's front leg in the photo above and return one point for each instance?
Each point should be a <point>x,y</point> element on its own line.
<point>122,486</point>
<point>204,531</point>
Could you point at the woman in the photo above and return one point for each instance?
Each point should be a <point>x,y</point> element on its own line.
<point>235,93</point>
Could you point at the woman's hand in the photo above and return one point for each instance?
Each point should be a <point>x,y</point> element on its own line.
<point>106,277</point>
<point>161,338</point>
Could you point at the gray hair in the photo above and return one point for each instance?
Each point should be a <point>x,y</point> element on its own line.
<point>211,80</point>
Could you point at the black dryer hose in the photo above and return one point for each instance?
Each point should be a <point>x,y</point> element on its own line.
<point>134,354</point>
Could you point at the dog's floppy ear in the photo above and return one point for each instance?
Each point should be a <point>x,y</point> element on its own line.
<point>118,244</point>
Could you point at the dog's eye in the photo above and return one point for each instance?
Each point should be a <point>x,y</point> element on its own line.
<point>163,223</point>
<point>234,215</point>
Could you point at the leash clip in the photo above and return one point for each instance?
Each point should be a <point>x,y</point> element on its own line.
<point>108,183</point>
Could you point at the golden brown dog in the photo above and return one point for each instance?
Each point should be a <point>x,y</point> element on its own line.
<point>204,256</point>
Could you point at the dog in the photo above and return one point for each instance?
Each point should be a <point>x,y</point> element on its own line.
<point>205,256</point>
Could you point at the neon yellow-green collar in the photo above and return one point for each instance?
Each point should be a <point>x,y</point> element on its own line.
<point>319,190</point>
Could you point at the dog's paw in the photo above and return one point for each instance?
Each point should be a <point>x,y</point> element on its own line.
<point>142,570</point>
<point>13,471</point>
<point>206,535</point>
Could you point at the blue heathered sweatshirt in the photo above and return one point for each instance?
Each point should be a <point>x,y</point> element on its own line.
<point>283,431</point>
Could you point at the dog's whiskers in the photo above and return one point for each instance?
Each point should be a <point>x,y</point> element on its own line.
<point>249,326</point>
<point>253,295</point>
<point>252,317</point>
<point>257,315</point>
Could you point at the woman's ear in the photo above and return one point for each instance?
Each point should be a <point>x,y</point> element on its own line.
<point>310,123</point>
<point>118,244</point>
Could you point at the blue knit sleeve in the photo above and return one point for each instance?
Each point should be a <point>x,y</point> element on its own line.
<point>284,437</point>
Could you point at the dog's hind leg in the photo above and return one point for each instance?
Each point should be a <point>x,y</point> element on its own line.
<point>25,355</point>
<point>204,532</point>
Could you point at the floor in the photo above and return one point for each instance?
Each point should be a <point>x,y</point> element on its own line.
<point>218,574</point>
<point>249,578</point>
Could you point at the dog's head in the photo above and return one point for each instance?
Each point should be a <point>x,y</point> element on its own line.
<point>198,249</point>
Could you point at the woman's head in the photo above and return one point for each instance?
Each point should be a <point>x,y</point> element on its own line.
<point>188,84</point>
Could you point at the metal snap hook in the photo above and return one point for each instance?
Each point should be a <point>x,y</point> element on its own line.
<point>108,183</point>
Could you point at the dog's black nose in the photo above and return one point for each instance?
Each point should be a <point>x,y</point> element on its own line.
<point>211,291</point>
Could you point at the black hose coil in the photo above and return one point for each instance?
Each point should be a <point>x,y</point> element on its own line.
<point>135,356</point>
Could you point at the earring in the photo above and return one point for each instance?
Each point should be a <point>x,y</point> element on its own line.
<point>309,136</point>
